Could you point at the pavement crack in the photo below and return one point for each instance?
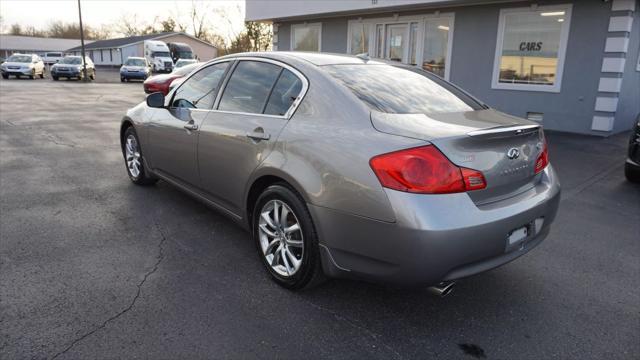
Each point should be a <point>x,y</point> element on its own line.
<point>375,336</point>
<point>159,259</point>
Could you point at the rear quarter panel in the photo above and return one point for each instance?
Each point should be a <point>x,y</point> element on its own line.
<point>325,148</point>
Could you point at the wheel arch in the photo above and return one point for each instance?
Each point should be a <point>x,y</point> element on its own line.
<point>262,180</point>
<point>126,123</point>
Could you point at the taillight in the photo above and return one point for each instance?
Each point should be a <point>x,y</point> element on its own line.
<point>543,159</point>
<point>424,170</point>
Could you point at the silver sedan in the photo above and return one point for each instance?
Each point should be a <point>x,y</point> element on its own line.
<point>347,167</point>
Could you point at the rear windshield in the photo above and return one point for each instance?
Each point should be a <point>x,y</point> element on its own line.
<point>397,90</point>
<point>54,54</point>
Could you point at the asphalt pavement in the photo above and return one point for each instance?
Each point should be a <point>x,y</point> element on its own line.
<point>93,267</point>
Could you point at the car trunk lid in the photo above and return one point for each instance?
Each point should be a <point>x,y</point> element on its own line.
<point>504,148</point>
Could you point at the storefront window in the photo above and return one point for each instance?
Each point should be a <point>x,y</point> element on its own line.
<point>531,45</point>
<point>360,38</point>
<point>436,45</point>
<point>422,41</point>
<point>306,37</point>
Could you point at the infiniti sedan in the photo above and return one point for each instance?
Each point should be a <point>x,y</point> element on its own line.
<point>347,167</point>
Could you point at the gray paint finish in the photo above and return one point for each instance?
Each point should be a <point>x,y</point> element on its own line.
<point>473,54</point>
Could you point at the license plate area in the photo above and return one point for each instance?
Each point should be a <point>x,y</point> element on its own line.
<point>517,238</point>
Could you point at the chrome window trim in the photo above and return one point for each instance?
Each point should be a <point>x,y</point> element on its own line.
<point>204,66</point>
<point>294,106</point>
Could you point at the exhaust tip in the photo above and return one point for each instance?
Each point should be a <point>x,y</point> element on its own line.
<point>442,289</point>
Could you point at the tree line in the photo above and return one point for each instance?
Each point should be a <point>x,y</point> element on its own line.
<point>207,23</point>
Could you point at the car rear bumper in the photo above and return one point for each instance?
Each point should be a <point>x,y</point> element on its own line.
<point>435,237</point>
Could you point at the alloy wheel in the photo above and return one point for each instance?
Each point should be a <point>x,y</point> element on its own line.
<point>281,239</point>
<point>132,153</point>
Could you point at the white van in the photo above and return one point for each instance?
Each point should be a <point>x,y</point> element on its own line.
<point>157,54</point>
<point>51,58</point>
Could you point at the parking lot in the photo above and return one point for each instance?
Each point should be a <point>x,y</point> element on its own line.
<point>93,267</point>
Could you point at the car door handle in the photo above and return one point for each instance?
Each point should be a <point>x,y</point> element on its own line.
<point>258,135</point>
<point>191,126</point>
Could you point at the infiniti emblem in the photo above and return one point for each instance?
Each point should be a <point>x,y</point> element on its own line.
<point>513,153</point>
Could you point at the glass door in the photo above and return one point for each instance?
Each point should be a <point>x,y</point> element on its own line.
<point>396,44</point>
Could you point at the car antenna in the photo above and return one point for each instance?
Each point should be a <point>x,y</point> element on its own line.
<point>364,56</point>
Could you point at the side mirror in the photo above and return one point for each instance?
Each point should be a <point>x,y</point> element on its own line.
<point>155,100</point>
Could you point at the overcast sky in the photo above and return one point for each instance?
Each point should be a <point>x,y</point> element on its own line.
<point>99,12</point>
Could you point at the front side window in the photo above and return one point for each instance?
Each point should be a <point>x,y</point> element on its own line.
<point>360,38</point>
<point>530,49</point>
<point>199,91</point>
<point>398,90</point>
<point>249,87</point>
<point>306,37</point>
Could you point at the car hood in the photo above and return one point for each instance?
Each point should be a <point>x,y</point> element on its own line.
<point>434,126</point>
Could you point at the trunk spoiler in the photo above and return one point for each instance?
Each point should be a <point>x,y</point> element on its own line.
<point>508,130</point>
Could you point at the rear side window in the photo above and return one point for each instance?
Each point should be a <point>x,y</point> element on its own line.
<point>284,93</point>
<point>249,87</point>
<point>396,90</point>
<point>199,91</point>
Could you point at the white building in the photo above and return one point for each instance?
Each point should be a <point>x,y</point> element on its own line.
<point>10,44</point>
<point>116,51</point>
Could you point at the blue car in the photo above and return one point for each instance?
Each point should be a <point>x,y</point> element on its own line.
<point>135,68</point>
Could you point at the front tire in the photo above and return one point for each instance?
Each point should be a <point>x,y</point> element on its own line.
<point>134,160</point>
<point>286,238</point>
<point>632,173</point>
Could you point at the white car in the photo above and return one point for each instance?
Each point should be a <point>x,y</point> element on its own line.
<point>51,58</point>
<point>182,62</point>
<point>30,65</point>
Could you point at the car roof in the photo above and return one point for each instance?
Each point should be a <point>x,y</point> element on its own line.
<point>315,58</point>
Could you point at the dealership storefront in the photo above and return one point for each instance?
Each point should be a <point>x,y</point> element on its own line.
<point>571,65</point>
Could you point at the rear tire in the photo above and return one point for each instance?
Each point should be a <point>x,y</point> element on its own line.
<point>55,78</point>
<point>5,76</point>
<point>93,75</point>
<point>632,173</point>
<point>133,159</point>
<point>33,74</point>
<point>121,79</point>
<point>276,241</point>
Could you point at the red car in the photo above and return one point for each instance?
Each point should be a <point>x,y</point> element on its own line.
<point>162,83</point>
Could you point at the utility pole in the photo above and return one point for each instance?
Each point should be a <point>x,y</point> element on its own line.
<point>84,64</point>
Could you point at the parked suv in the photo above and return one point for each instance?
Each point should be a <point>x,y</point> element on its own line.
<point>30,65</point>
<point>135,68</point>
<point>71,67</point>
